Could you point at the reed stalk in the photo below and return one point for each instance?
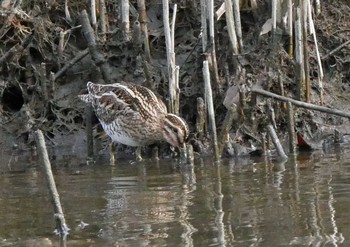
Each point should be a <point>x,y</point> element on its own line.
<point>103,21</point>
<point>93,15</point>
<point>299,55</point>
<point>144,29</point>
<point>231,26</point>
<point>319,62</point>
<point>274,20</point>
<point>125,19</point>
<point>274,138</point>
<point>304,18</point>
<point>62,228</point>
<point>210,105</point>
<point>204,25</point>
<point>66,12</point>
<point>291,126</point>
<point>290,27</point>
<point>170,54</point>
<point>237,18</point>
<point>213,62</point>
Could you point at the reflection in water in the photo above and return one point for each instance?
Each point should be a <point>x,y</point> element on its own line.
<point>240,202</point>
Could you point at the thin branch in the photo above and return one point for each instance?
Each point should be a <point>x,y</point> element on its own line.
<point>302,104</point>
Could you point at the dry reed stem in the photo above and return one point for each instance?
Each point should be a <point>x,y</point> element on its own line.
<point>213,62</point>
<point>306,51</point>
<point>237,18</point>
<point>143,22</point>
<point>170,56</point>
<point>319,62</point>
<point>302,104</point>
<point>103,21</point>
<point>299,55</point>
<point>204,25</point>
<point>125,7</point>
<point>210,105</point>
<point>55,198</point>
<point>93,15</point>
<point>274,138</point>
<point>231,26</point>
<point>291,126</point>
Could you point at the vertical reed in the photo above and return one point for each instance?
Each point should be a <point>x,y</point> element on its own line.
<point>170,55</point>
<point>213,62</point>
<point>125,19</point>
<point>291,131</point>
<point>103,21</point>
<point>299,55</point>
<point>210,104</point>
<point>93,15</point>
<point>231,26</point>
<point>237,18</point>
<point>143,21</point>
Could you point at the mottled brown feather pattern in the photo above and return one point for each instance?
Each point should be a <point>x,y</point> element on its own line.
<point>134,115</point>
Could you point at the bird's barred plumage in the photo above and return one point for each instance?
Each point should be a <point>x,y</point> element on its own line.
<point>133,115</point>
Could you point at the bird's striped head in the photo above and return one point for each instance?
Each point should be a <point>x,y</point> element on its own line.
<point>175,130</point>
<point>92,91</point>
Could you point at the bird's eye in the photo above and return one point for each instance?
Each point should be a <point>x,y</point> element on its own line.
<point>176,131</point>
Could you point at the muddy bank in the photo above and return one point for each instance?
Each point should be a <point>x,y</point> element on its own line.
<point>50,65</point>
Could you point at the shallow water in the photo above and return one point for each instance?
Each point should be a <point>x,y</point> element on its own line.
<point>304,202</point>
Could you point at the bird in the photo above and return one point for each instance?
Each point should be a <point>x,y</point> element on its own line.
<point>135,116</point>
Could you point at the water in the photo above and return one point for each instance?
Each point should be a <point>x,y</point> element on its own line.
<point>242,202</point>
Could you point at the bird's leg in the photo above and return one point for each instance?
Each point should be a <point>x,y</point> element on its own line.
<point>138,154</point>
<point>112,156</point>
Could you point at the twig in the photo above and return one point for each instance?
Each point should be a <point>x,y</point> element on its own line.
<point>276,142</point>
<point>336,49</point>
<point>210,104</point>
<point>302,104</point>
<point>44,157</point>
<point>16,49</point>
<point>70,63</point>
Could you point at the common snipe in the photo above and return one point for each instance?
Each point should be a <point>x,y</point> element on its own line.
<point>133,115</point>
